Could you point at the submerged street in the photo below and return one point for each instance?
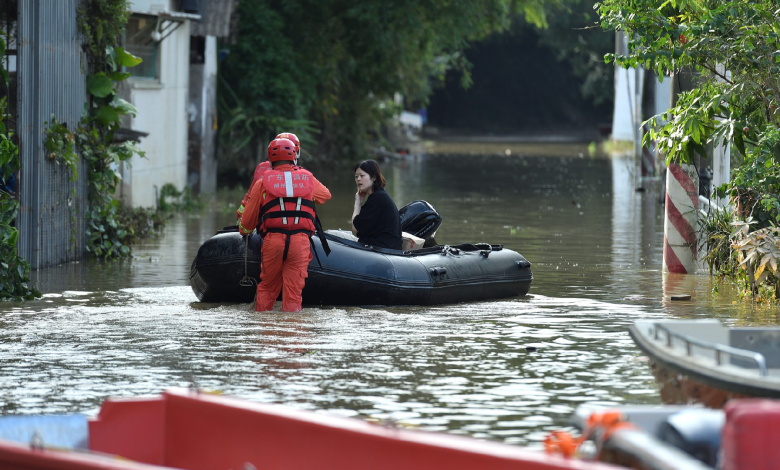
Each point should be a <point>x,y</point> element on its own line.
<point>508,370</point>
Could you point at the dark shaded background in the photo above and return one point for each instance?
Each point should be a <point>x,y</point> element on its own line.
<point>527,81</point>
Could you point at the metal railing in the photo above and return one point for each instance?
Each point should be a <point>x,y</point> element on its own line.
<point>719,349</point>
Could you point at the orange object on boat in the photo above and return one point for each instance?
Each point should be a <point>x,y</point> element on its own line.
<point>198,431</point>
<point>600,427</point>
<point>561,442</point>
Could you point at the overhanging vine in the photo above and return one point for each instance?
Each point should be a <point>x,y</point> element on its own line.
<point>60,149</point>
<point>102,23</point>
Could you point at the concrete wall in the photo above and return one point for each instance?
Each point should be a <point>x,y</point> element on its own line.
<point>202,166</point>
<point>162,112</point>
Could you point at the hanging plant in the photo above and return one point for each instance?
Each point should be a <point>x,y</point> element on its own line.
<point>60,149</point>
<point>102,23</point>
<point>106,238</point>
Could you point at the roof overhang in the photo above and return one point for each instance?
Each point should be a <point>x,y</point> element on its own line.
<point>171,15</point>
<point>167,21</point>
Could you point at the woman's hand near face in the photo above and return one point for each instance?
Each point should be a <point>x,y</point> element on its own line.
<point>356,211</point>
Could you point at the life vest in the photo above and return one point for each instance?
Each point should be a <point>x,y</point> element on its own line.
<point>288,202</point>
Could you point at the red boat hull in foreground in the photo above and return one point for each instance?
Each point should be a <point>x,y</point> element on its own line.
<point>190,430</point>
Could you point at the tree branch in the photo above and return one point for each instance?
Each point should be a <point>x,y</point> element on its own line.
<point>722,76</point>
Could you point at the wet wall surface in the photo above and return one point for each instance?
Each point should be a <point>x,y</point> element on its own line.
<point>507,370</point>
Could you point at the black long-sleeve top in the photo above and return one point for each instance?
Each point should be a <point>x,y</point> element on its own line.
<point>378,223</point>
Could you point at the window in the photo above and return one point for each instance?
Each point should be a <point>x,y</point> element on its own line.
<point>139,41</point>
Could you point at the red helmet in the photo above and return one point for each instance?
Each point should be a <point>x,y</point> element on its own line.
<point>292,137</point>
<point>281,149</point>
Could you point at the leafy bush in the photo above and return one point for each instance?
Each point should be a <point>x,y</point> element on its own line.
<point>734,46</point>
<point>140,222</point>
<point>102,23</point>
<point>758,253</point>
<point>715,238</point>
<point>754,188</point>
<point>744,243</point>
<point>171,199</point>
<point>14,270</point>
<point>711,37</point>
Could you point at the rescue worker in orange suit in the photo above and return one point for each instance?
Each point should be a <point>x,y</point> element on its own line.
<point>281,206</point>
<point>263,166</point>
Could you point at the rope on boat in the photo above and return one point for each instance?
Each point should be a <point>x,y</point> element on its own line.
<point>246,281</point>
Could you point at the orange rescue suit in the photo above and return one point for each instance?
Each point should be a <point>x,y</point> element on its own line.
<point>282,233</point>
<point>261,168</point>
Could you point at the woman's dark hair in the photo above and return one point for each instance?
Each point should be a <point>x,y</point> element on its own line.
<point>371,167</point>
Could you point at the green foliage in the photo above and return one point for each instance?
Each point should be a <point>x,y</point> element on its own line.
<point>105,235</point>
<point>738,108</point>
<point>241,127</point>
<point>14,270</point>
<point>754,240</point>
<point>171,199</point>
<point>758,254</point>
<point>108,236</point>
<point>60,148</point>
<point>59,145</point>
<point>140,222</point>
<point>710,36</point>
<point>102,23</point>
<point>743,252</point>
<point>3,71</point>
<point>755,185</point>
<point>336,62</point>
<point>715,232</point>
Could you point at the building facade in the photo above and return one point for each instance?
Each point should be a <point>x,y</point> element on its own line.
<point>158,32</point>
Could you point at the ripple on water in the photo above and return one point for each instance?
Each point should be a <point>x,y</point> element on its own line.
<point>507,370</point>
<point>461,368</point>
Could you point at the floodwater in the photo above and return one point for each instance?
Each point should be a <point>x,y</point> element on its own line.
<point>507,370</point>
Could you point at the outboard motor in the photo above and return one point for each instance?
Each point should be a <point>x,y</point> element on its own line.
<point>695,431</point>
<point>420,219</point>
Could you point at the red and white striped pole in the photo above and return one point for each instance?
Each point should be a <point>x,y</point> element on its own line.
<point>681,221</point>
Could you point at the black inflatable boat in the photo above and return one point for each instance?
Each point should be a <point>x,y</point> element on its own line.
<point>357,274</point>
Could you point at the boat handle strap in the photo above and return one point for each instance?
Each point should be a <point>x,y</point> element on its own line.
<point>246,281</point>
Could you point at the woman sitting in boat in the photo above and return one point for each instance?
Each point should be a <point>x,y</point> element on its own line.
<point>375,219</point>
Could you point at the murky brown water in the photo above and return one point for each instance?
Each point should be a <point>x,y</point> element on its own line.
<point>134,327</point>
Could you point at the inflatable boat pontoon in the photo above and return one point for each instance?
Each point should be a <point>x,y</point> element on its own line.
<point>227,266</point>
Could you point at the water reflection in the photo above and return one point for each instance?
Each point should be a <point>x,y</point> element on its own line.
<point>507,370</point>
